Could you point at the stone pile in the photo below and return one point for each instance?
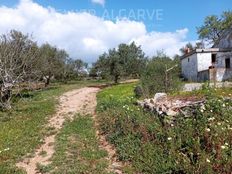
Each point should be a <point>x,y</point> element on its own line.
<point>163,106</point>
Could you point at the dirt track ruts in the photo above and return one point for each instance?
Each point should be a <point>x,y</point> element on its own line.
<point>82,101</point>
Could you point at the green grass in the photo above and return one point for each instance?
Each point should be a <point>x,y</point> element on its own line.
<point>77,149</point>
<point>201,143</point>
<point>23,128</point>
<point>121,91</point>
<point>218,92</point>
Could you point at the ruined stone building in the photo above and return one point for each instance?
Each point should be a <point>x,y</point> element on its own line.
<point>209,64</point>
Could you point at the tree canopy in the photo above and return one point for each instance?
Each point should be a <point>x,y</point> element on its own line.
<point>214,26</point>
<point>126,61</point>
<point>23,61</point>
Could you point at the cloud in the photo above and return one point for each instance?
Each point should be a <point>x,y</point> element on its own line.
<point>84,35</point>
<point>101,2</point>
<point>169,42</point>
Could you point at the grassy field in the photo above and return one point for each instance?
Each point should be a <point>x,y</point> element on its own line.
<point>23,128</point>
<point>201,143</point>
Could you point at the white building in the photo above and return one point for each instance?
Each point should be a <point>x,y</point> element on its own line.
<point>209,64</point>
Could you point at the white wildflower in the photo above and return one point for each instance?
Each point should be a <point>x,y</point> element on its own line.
<point>203,107</point>
<point>207,129</point>
<point>219,124</point>
<point>211,110</point>
<point>223,147</point>
<point>211,119</point>
<point>223,105</point>
<point>6,149</point>
<point>226,144</point>
<point>169,138</point>
<point>207,160</point>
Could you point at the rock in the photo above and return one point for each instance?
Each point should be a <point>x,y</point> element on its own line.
<point>152,101</point>
<point>149,106</point>
<point>141,103</point>
<point>160,98</point>
<point>171,113</point>
<point>116,165</point>
<point>169,109</point>
<point>146,101</point>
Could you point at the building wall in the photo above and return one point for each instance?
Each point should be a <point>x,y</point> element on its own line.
<point>196,67</point>
<point>204,61</point>
<point>221,59</point>
<point>189,67</point>
<point>203,76</point>
<point>223,73</point>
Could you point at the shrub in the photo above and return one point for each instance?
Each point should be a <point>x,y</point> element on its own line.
<point>154,78</point>
<point>138,91</point>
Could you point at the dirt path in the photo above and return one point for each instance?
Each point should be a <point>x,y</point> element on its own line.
<point>81,101</point>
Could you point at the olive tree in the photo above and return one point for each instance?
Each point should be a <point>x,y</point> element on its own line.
<point>18,59</point>
<point>126,61</point>
<point>52,62</point>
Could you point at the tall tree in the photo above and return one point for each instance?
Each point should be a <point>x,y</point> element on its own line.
<point>214,26</point>
<point>133,58</point>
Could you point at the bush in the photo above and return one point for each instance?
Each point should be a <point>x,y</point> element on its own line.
<point>154,78</point>
<point>138,91</point>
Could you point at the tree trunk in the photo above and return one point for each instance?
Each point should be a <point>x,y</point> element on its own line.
<point>47,82</point>
<point>116,78</point>
<point>5,99</point>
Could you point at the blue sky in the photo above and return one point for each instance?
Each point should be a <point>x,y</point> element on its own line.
<point>176,13</point>
<point>177,22</point>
